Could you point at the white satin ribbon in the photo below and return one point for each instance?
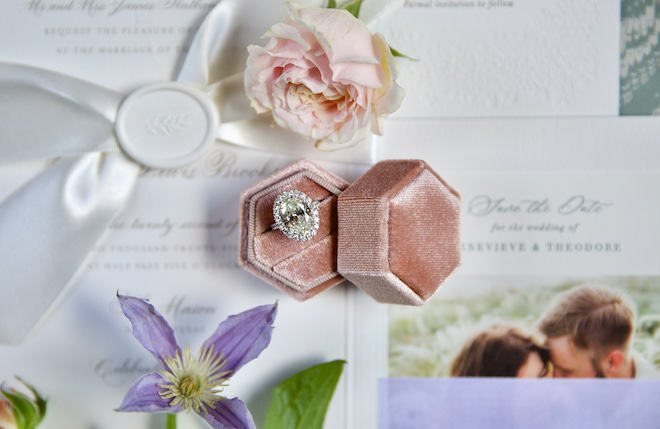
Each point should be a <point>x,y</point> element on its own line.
<point>49,226</point>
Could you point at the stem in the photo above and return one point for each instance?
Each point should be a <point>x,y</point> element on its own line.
<point>171,421</point>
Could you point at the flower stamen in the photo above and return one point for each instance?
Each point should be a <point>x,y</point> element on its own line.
<point>194,383</point>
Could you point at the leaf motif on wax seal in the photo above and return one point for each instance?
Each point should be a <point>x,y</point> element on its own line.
<point>168,123</point>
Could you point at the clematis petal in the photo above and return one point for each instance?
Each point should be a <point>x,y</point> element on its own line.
<point>242,337</point>
<point>229,414</point>
<point>149,327</point>
<point>144,396</point>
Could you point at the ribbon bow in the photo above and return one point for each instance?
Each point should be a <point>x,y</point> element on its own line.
<point>98,139</point>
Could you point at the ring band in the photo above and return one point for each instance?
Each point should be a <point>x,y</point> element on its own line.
<point>296,215</point>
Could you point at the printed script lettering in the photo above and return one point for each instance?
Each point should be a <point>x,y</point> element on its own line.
<point>559,222</point>
<point>104,28</point>
<point>484,205</point>
<point>111,7</point>
<point>219,165</point>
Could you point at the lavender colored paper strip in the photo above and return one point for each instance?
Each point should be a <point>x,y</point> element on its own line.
<point>439,403</point>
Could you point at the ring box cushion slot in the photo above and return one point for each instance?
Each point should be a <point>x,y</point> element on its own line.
<point>399,230</point>
<point>300,269</point>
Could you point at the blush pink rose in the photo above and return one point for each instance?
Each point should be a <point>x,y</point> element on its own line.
<point>7,419</point>
<point>324,76</point>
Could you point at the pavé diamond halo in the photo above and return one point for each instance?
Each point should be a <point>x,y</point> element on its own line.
<point>296,215</point>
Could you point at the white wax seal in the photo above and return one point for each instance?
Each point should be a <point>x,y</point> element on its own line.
<point>166,125</point>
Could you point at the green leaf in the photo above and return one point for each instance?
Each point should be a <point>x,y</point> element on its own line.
<point>28,412</point>
<point>38,401</point>
<point>24,410</point>
<point>353,7</point>
<point>332,4</point>
<point>20,421</point>
<point>171,421</point>
<point>301,401</point>
<point>396,53</point>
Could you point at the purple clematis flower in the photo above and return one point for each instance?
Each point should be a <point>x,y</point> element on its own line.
<point>186,382</point>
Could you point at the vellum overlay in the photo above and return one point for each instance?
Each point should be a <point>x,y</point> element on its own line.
<point>507,57</point>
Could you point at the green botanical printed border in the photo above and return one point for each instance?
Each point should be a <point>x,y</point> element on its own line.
<point>640,58</point>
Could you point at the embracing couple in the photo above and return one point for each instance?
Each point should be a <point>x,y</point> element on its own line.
<point>588,333</point>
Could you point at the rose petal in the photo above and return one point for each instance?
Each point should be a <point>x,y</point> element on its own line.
<point>325,76</point>
<point>7,419</point>
<point>256,82</point>
<point>343,38</point>
<point>144,396</point>
<point>304,123</point>
<point>229,414</point>
<point>388,98</point>
<point>149,327</point>
<point>243,337</point>
<point>336,28</point>
<point>288,32</point>
<point>330,144</point>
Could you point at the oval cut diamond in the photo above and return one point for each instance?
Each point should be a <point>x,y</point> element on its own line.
<point>296,215</point>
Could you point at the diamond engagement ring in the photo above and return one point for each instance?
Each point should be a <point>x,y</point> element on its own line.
<point>296,215</point>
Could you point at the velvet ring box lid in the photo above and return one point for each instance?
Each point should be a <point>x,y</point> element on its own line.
<point>394,233</point>
<point>399,232</point>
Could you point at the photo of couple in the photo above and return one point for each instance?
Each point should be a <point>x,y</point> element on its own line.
<point>577,329</point>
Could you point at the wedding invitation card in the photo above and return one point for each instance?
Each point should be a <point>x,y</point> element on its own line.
<point>507,58</point>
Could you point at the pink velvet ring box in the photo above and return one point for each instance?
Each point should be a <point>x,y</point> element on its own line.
<point>394,233</point>
<point>300,269</point>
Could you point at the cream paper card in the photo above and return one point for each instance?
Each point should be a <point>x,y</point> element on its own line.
<point>567,224</point>
<point>121,44</point>
<point>527,238</point>
<point>507,57</point>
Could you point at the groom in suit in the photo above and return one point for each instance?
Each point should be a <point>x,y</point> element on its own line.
<point>589,333</point>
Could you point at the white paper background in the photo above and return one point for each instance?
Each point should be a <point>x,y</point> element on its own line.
<point>507,58</point>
